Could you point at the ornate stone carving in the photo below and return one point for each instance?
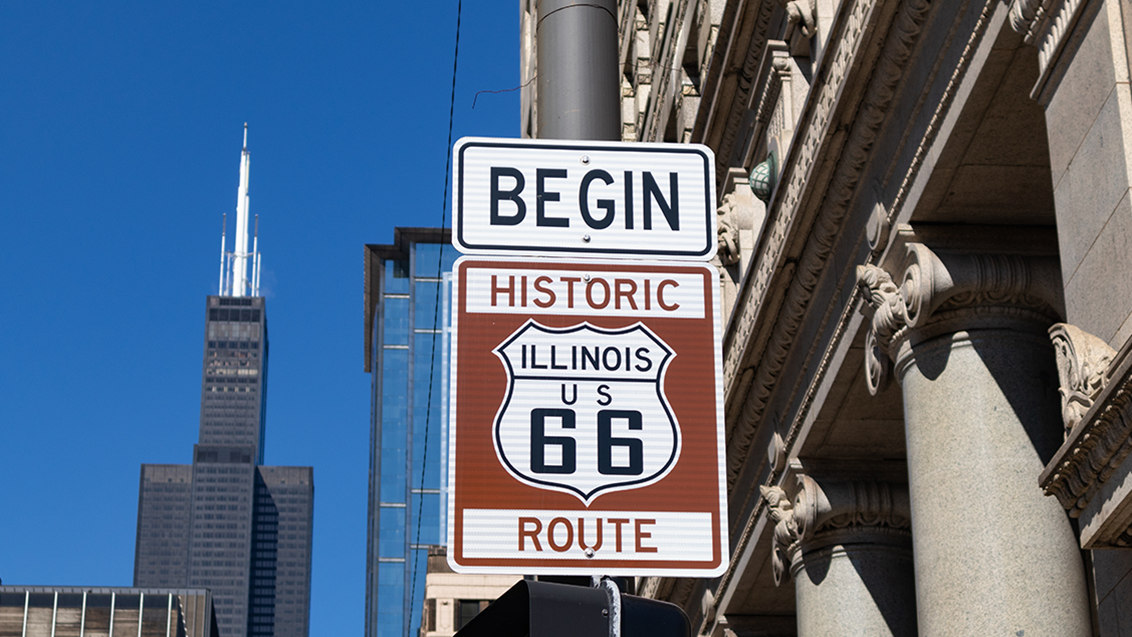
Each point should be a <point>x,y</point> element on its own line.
<point>752,368</point>
<point>745,378</point>
<point>1045,24</point>
<point>818,510</point>
<point>949,286</point>
<point>1095,447</point>
<point>780,511</point>
<point>769,357</point>
<point>1082,360</point>
<point>800,14</point>
<point>1023,13</point>
<point>729,219</point>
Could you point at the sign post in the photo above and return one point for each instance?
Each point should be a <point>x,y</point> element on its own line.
<point>586,402</point>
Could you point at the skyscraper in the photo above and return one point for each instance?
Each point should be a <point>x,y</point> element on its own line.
<point>405,341</point>
<point>226,522</point>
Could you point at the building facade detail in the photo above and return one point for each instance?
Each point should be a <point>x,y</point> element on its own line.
<point>1087,473</point>
<point>1046,26</point>
<point>406,309</point>
<point>820,515</point>
<point>1083,361</point>
<point>801,278</point>
<point>940,290</point>
<point>940,198</point>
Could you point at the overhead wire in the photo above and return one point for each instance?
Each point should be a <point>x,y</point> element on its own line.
<point>435,312</point>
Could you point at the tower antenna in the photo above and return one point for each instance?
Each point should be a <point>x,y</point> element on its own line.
<point>255,259</point>
<point>223,252</point>
<point>240,279</point>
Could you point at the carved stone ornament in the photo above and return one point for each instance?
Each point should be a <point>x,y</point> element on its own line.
<point>1096,389</point>
<point>818,510</point>
<point>781,512</point>
<point>959,288</point>
<point>1082,361</point>
<point>728,217</point>
<point>800,14</point>
<point>1045,24</point>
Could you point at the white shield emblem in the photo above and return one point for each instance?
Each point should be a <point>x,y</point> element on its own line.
<point>585,410</point>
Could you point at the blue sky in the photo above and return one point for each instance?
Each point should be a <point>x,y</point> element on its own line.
<point>120,131</point>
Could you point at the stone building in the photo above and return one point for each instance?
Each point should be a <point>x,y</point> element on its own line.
<point>925,221</point>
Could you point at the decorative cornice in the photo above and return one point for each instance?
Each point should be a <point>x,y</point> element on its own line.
<point>744,84</point>
<point>827,227</point>
<point>664,55</point>
<point>740,380</point>
<point>1046,24</point>
<point>1101,439</point>
<point>831,507</point>
<point>954,287</point>
<point>1082,360</point>
<point>1024,13</point>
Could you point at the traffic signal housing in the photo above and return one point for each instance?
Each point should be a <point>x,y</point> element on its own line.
<point>547,609</point>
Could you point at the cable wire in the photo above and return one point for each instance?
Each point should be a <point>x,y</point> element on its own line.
<point>435,315</point>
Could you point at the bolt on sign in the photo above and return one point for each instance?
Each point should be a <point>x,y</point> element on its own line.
<point>586,409</point>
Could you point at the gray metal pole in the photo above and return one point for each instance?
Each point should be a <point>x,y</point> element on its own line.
<point>579,89</point>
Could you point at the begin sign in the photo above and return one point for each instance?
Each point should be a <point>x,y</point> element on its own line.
<point>586,410</point>
<point>585,199</point>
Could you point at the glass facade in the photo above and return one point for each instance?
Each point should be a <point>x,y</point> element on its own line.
<point>408,424</point>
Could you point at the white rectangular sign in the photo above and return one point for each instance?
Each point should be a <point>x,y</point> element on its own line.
<point>584,199</point>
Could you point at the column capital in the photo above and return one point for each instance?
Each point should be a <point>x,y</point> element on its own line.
<point>1083,361</point>
<point>946,291</point>
<point>820,513</point>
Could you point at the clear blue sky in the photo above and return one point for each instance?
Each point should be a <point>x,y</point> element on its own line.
<point>120,130</point>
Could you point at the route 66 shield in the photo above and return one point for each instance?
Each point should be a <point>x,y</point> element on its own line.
<point>585,411</point>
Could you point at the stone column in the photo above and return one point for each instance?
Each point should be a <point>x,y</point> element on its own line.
<point>848,548</point>
<point>966,337</point>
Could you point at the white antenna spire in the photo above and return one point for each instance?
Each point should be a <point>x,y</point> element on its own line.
<point>240,282</point>
<point>255,259</point>
<point>235,278</point>
<point>223,252</point>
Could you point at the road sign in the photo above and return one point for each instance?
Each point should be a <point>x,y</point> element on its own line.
<point>586,419</point>
<point>584,199</point>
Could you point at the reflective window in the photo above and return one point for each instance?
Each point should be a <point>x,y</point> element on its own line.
<point>396,321</point>
<point>430,515</point>
<point>396,277</point>
<point>391,537</point>
<point>393,474</point>
<point>425,304</point>
<point>427,255</point>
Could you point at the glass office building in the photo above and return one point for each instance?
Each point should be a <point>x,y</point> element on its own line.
<point>406,321</point>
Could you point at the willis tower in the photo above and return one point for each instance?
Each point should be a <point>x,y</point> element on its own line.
<point>227,522</point>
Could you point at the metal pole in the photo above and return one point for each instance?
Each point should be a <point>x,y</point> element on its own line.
<point>579,86</point>
<point>614,595</point>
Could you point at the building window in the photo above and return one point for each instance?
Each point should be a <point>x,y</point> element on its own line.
<point>466,609</point>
